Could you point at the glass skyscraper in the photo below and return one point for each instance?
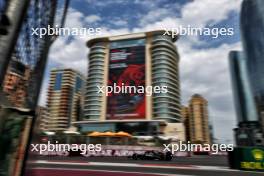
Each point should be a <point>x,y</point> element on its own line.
<point>244,103</point>
<point>252,29</point>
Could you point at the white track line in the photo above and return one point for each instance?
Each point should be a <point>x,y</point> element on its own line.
<point>111,171</point>
<point>191,167</point>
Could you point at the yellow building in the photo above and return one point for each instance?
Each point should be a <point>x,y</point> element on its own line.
<point>196,120</point>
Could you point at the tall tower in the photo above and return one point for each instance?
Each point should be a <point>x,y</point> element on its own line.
<point>252,30</point>
<point>140,59</point>
<point>198,120</point>
<point>64,99</point>
<point>244,102</point>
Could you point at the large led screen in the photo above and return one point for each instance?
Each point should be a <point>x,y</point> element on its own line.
<point>126,68</point>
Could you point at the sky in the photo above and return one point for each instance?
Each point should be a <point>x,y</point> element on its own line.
<point>204,65</point>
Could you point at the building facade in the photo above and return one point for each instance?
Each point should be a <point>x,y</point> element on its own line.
<point>16,84</point>
<point>156,63</point>
<point>252,30</point>
<point>244,102</point>
<point>142,59</point>
<point>64,99</point>
<point>41,120</point>
<point>196,116</point>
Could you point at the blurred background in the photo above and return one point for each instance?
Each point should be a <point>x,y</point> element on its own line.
<point>49,86</point>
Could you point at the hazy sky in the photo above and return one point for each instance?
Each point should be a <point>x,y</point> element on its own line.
<point>203,60</point>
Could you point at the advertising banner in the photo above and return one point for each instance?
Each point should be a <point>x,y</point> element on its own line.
<point>126,69</point>
<point>247,158</point>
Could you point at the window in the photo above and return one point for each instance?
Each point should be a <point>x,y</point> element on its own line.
<point>58,80</point>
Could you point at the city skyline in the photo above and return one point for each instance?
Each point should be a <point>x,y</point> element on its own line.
<point>131,87</point>
<point>198,55</point>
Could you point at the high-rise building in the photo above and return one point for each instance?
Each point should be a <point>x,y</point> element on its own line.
<point>197,118</point>
<point>64,99</point>
<point>42,119</point>
<point>244,102</point>
<point>252,30</point>
<point>141,59</point>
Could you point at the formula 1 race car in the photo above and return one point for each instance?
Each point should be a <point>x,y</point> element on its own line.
<point>153,155</point>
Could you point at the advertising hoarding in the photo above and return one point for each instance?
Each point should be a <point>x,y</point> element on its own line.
<point>247,158</point>
<point>126,68</point>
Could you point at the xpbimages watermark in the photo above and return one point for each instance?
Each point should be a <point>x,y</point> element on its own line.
<point>65,31</point>
<point>215,32</point>
<point>190,147</point>
<point>50,147</point>
<point>123,89</point>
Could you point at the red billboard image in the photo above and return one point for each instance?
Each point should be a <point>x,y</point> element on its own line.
<point>126,69</point>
